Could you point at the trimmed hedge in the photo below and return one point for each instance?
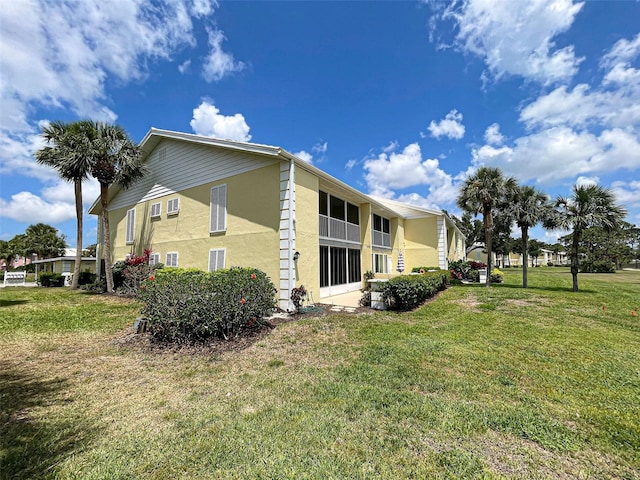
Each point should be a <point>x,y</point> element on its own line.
<point>49,279</point>
<point>409,291</point>
<point>186,305</point>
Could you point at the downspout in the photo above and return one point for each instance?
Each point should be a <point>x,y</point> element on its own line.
<point>291,227</point>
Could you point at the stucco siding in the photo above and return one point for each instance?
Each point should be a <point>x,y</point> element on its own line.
<point>251,237</point>
<point>307,232</point>
<point>421,242</point>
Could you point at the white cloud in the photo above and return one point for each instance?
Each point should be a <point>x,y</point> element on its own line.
<point>219,63</point>
<point>399,170</point>
<point>493,136</point>
<point>558,153</point>
<point>304,156</point>
<point>350,164</point>
<point>627,193</point>
<point>622,52</point>
<point>320,147</point>
<point>583,107</point>
<point>583,181</point>
<point>208,121</point>
<point>184,66</point>
<point>516,38</point>
<point>451,126</point>
<point>29,208</point>
<point>64,54</point>
<point>16,155</point>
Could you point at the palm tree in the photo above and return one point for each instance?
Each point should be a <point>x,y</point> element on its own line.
<point>67,154</point>
<point>588,206</point>
<point>115,159</point>
<point>483,192</point>
<point>528,207</point>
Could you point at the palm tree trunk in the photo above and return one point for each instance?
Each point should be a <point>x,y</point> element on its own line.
<point>77,186</point>
<point>488,235</point>
<point>575,264</point>
<point>106,235</point>
<point>525,259</point>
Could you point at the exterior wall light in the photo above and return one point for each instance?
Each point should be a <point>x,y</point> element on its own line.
<point>296,256</point>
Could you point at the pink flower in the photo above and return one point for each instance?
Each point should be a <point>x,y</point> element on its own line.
<point>152,278</point>
<point>253,276</point>
<point>242,301</point>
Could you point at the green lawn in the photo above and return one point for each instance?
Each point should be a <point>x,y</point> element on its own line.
<point>478,383</point>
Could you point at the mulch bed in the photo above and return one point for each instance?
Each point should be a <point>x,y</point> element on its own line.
<point>215,346</point>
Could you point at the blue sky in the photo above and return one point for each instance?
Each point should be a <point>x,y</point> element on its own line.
<point>399,99</point>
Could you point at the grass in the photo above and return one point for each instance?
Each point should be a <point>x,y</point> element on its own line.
<point>479,383</point>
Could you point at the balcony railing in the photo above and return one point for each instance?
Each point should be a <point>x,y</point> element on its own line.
<point>339,229</point>
<point>381,239</point>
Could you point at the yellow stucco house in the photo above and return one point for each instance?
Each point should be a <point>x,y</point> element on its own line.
<point>211,203</point>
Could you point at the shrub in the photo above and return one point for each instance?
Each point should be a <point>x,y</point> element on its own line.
<point>298,295</point>
<point>497,276</point>
<point>186,305</point>
<point>133,271</point>
<point>51,279</point>
<point>86,278</point>
<point>597,266</point>
<point>477,265</point>
<point>423,269</point>
<point>408,291</point>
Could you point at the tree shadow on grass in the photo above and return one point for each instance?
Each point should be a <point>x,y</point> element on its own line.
<point>544,289</point>
<point>30,447</point>
<point>11,303</point>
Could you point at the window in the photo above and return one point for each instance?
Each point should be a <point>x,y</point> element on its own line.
<point>323,201</point>
<point>380,263</point>
<point>173,206</point>
<point>381,231</point>
<point>216,259</point>
<point>154,258</point>
<point>218,212</point>
<point>339,266</point>
<point>156,209</point>
<point>131,226</point>
<point>336,208</point>
<point>353,214</point>
<point>172,259</point>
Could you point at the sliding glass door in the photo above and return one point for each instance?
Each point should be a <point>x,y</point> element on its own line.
<point>340,270</point>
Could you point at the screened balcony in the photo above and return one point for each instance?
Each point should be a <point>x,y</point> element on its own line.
<point>380,232</point>
<point>338,220</point>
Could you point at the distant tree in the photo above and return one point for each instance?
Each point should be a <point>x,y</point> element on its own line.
<point>17,247</point>
<point>470,227</point>
<point>66,152</point>
<point>528,207</point>
<point>6,252</point>
<point>90,251</point>
<point>608,248</point>
<point>43,240</point>
<point>534,247</point>
<point>502,239</point>
<point>588,206</point>
<point>483,192</point>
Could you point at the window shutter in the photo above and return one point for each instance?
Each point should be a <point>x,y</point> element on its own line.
<point>173,206</point>
<point>156,209</point>
<point>218,213</point>
<point>172,259</point>
<point>131,226</point>
<point>216,259</point>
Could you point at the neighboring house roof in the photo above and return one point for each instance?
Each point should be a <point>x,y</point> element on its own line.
<point>409,211</point>
<point>382,206</point>
<point>71,258</point>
